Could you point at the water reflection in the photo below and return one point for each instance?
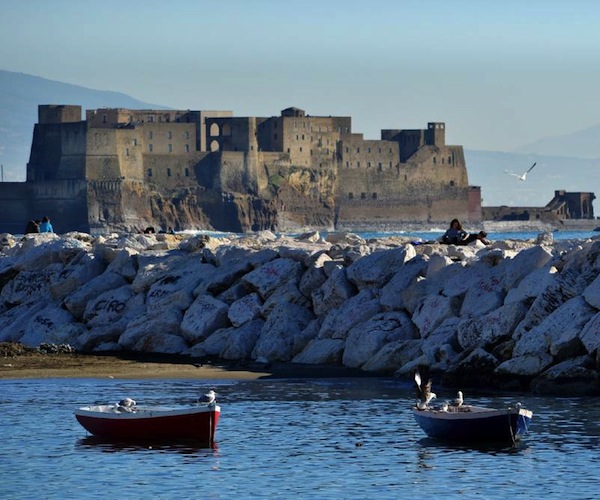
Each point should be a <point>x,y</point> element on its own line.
<point>489,448</point>
<point>184,447</point>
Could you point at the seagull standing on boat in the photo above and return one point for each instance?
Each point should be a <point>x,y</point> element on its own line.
<point>459,399</point>
<point>209,398</point>
<point>523,176</point>
<point>424,391</point>
<point>126,405</point>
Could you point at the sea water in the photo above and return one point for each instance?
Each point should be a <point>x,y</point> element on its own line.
<point>349,438</point>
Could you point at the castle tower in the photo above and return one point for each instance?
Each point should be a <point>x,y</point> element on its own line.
<point>435,135</point>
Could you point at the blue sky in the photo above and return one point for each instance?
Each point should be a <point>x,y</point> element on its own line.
<point>500,74</point>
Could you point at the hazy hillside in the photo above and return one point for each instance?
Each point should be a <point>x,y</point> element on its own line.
<point>581,144</point>
<point>20,95</point>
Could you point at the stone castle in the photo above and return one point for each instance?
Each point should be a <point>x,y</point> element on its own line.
<point>123,170</point>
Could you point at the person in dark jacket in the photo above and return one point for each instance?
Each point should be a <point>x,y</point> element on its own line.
<point>456,235</point>
<point>33,226</point>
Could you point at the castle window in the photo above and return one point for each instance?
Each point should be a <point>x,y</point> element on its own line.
<point>297,136</point>
<point>347,149</point>
<point>134,142</point>
<point>358,164</point>
<point>390,150</point>
<point>302,136</point>
<point>149,172</point>
<point>380,166</point>
<point>169,135</point>
<point>452,183</point>
<point>301,149</point>
<point>150,147</point>
<point>368,150</point>
<point>288,150</point>
<point>150,135</point>
<point>187,134</point>
<point>358,150</point>
<point>150,119</point>
<point>350,196</point>
<point>380,150</point>
<point>390,164</point>
<point>103,118</point>
<point>274,124</point>
<point>434,160</point>
<point>170,148</point>
<point>347,164</point>
<point>187,172</point>
<point>374,196</point>
<point>187,148</point>
<point>442,160</point>
<point>275,136</point>
<point>126,151</point>
<point>168,172</point>
<point>363,196</point>
<point>368,164</point>
<point>449,160</point>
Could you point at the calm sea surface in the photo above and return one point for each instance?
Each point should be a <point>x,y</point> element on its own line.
<point>315,438</point>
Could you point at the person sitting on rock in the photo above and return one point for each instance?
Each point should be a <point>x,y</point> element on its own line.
<point>46,226</point>
<point>33,226</point>
<point>456,235</point>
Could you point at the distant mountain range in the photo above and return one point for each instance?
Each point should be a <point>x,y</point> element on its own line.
<point>20,95</point>
<point>570,162</point>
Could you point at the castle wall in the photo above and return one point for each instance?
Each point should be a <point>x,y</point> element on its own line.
<point>58,151</point>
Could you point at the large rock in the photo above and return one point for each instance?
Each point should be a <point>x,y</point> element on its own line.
<point>204,316</point>
<point>367,338</point>
<point>276,341</point>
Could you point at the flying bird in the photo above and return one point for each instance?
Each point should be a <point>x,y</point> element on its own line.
<point>425,392</point>
<point>209,398</point>
<point>523,176</point>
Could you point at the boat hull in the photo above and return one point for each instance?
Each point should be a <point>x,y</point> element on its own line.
<point>194,423</point>
<point>475,424</point>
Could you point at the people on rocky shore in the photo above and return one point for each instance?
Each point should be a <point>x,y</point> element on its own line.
<point>46,225</point>
<point>33,226</point>
<point>456,235</point>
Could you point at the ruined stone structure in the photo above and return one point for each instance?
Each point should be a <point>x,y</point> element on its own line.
<point>563,207</point>
<point>122,169</point>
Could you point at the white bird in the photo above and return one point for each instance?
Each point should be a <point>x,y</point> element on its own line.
<point>208,398</point>
<point>127,402</point>
<point>459,399</point>
<point>523,176</point>
<point>425,391</point>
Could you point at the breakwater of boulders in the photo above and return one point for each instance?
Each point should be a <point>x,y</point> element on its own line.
<point>515,315</point>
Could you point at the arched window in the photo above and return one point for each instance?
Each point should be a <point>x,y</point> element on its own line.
<point>214,146</point>
<point>214,130</point>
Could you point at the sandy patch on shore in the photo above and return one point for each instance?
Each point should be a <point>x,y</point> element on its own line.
<point>17,362</point>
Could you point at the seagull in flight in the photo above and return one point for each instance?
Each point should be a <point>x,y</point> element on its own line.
<point>425,392</point>
<point>522,177</point>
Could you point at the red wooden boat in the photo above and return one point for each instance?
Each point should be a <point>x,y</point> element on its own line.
<point>197,423</point>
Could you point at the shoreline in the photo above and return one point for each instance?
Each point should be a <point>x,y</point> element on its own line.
<point>35,365</point>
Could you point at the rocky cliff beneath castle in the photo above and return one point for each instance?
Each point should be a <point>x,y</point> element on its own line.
<point>511,315</point>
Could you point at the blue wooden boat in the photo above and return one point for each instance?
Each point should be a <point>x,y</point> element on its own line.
<point>466,423</point>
